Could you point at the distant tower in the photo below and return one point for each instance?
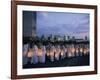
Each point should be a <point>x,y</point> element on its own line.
<point>64,38</point>
<point>86,38</point>
<point>29,24</point>
<point>73,38</point>
<point>68,37</point>
<point>34,26</point>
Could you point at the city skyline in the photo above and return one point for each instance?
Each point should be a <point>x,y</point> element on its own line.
<point>63,23</point>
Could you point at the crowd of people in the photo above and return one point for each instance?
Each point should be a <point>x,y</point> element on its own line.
<point>40,53</point>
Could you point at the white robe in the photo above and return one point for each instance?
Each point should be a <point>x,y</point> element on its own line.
<point>42,54</point>
<point>63,52</point>
<point>25,51</point>
<point>52,51</point>
<point>34,59</point>
<point>57,53</point>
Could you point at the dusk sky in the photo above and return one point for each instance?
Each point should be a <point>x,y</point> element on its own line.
<point>62,23</point>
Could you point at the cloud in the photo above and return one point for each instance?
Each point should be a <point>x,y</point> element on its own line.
<point>62,23</point>
<point>42,15</point>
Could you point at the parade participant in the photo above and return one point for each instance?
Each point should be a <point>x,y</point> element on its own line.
<point>25,51</point>
<point>66,51</point>
<point>34,59</point>
<point>77,50</point>
<point>29,55</point>
<point>57,52</point>
<point>47,52</point>
<point>69,54</point>
<point>41,53</point>
<point>73,51</point>
<point>63,52</point>
<point>86,51</point>
<point>52,51</point>
<point>43,57</point>
<point>80,51</point>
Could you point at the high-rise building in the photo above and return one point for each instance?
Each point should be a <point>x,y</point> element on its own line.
<point>29,24</point>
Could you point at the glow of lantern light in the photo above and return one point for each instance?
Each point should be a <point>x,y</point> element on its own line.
<point>30,53</point>
<point>39,52</point>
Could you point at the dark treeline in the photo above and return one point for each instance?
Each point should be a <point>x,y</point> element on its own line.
<point>37,40</point>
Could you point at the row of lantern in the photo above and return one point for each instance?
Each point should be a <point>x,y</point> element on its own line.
<point>38,54</point>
